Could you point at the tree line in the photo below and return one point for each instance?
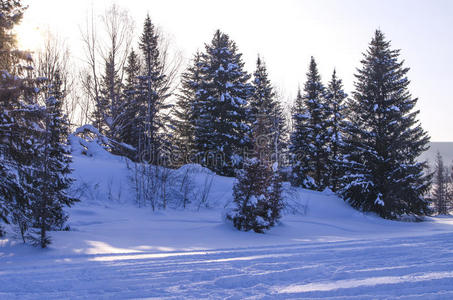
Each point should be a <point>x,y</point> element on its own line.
<point>363,147</point>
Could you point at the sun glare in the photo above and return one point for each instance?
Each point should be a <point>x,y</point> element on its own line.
<point>29,36</point>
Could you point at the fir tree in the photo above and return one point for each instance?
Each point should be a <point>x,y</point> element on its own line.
<point>257,191</point>
<point>17,120</point>
<point>9,182</point>
<point>132,70</point>
<point>143,118</point>
<point>221,131</point>
<point>110,102</point>
<point>23,140</point>
<point>11,58</point>
<point>384,138</point>
<point>25,152</point>
<point>127,122</point>
<point>7,185</point>
<point>51,170</point>
<point>442,190</point>
<point>184,111</point>
<point>152,92</point>
<point>298,146</point>
<point>310,137</point>
<point>264,103</point>
<point>335,97</point>
<point>22,133</point>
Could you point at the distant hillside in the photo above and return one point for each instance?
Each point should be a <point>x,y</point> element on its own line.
<point>445,149</point>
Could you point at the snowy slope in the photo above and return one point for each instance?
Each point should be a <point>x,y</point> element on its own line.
<point>326,249</point>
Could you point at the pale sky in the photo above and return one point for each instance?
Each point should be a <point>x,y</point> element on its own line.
<point>286,33</point>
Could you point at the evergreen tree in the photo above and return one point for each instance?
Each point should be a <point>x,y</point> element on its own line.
<point>184,111</point>
<point>384,138</point>
<point>298,145</point>
<point>11,88</point>
<point>25,152</point>
<point>264,103</point>
<point>143,118</point>
<point>21,140</point>
<point>22,133</point>
<point>221,131</point>
<point>110,102</point>
<point>335,97</point>
<point>51,169</point>
<point>310,137</point>
<point>152,92</point>
<point>442,190</point>
<point>11,59</point>
<point>257,191</point>
<point>16,126</point>
<point>127,122</point>
<point>132,70</point>
<point>7,185</point>
<point>274,199</point>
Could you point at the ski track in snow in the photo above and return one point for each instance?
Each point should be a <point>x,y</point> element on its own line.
<point>397,268</point>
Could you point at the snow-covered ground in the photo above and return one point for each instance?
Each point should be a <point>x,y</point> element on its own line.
<point>326,249</point>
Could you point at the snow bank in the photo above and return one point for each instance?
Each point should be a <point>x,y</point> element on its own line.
<point>104,178</point>
<point>322,249</point>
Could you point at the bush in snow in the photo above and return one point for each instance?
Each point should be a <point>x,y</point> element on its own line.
<point>257,197</point>
<point>257,191</point>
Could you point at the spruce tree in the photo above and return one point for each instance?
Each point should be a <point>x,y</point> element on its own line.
<point>257,191</point>
<point>152,93</point>
<point>7,186</point>
<point>110,102</point>
<point>298,145</point>
<point>25,151</point>
<point>143,118</point>
<point>384,138</point>
<point>184,112</point>
<point>127,122</point>
<point>132,70</point>
<point>11,59</point>
<point>221,131</point>
<point>310,137</point>
<point>23,134</point>
<point>9,182</point>
<point>335,97</point>
<point>442,190</point>
<point>17,122</point>
<point>23,137</point>
<point>51,169</point>
<point>264,103</point>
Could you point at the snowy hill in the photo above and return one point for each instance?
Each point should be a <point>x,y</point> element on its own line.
<point>322,249</point>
